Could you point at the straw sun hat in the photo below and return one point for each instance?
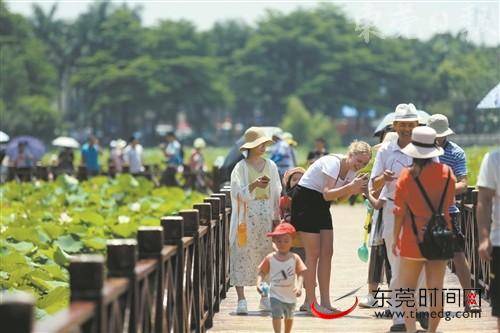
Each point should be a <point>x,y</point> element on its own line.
<point>254,137</point>
<point>423,144</point>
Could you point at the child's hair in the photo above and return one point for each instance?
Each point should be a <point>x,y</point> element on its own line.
<point>359,147</point>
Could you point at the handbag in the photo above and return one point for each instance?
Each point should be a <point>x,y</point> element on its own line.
<point>438,241</point>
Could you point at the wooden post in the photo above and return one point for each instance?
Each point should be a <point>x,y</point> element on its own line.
<point>121,257</point>
<point>215,202</point>
<point>121,261</point>
<point>191,229</point>
<point>150,242</point>
<point>86,280</point>
<point>227,193</point>
<point>222,198</point>
<point>223,246</point>
<point>205,211</point>
<point>191,219</point>
<point>17,312</point>
<point>173,230</point>
<point>216,249</point>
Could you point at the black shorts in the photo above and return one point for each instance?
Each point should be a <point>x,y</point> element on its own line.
<point>457,232</point>
<point>310,212</point>
<point>495,282</point>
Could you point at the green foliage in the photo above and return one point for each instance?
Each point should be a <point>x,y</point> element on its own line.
<point>107,67</point>
<point>31,114</point>
<point>43,224</point>
<point>306,127</point>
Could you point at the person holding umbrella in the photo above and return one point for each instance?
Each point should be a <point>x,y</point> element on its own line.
<point>65,161</point>
<point>66,156</point>
<point>23,159</point>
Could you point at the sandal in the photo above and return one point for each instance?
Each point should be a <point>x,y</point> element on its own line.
<point>474,308</point>
<point>305,308</point>
<point>331,309</point>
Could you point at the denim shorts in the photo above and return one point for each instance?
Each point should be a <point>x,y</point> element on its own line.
<point>280,309</point>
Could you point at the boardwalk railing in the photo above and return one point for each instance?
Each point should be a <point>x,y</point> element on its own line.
<point>479,269</point>
<point>171,279</point>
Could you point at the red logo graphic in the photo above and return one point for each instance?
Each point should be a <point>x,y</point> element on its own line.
<point>471,299</point>
<point>323,315</point>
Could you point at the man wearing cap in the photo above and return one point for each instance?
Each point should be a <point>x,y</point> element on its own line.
<point>390,161</point>
<point>454,157</point>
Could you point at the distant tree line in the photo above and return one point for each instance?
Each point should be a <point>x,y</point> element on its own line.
<point>108,71</point>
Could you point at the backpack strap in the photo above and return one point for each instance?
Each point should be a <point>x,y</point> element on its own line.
<point>428,201</point>
<point>413,225</point>
<point>441,202</point>
<point>426,197</point>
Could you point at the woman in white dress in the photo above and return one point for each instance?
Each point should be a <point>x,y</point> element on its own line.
<point>255,192</point>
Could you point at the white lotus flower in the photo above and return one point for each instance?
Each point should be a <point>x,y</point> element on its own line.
<point>65,218</point>
<point>123,219</point>
<point>135,207</point>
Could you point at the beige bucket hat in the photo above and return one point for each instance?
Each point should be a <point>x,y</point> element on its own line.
<point>254,137</point>
<point>439,122</point>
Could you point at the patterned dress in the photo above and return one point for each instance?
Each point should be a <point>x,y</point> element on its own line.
<point>244,260</point>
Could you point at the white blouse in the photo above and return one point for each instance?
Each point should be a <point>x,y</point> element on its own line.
<point>315,177</point>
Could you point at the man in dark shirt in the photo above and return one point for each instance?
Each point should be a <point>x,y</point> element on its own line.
<point>319,150</point>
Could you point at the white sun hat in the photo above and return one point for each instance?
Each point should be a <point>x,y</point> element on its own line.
<point>405,112</point>
<point>423,144</point>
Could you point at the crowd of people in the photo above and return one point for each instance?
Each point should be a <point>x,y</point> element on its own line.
<point>414,233</point>
<point>124,156</point>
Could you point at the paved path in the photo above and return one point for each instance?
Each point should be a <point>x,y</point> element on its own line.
<point>348,273</point>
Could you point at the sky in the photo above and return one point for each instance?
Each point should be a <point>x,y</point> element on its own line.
<point>415,19</point>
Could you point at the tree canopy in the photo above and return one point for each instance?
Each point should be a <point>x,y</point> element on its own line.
<point>109,71</point>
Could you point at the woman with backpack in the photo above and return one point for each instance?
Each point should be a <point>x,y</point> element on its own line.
<point>423,227</point>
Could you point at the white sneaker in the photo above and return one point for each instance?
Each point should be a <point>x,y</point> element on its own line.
<point>265,304</point>
<point>368,302</point>
<point>242,309</point>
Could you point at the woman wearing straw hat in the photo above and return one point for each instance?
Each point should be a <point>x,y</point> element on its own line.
<point>255,192</point>
<point>413,211</point>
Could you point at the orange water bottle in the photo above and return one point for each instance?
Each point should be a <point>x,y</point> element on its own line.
<point>242,234</point>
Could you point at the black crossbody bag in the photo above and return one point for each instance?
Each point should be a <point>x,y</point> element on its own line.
<point>438,240</point>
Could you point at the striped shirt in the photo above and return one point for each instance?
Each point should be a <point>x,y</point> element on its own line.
<point>454,157</point>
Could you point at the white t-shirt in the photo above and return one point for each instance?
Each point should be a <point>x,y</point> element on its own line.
<point>316,175</point>
<point>489,177</point>
<point>133,156</point>
<point>389,157</point>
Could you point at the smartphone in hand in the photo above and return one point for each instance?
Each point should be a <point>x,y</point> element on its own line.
<point>265,179</point>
